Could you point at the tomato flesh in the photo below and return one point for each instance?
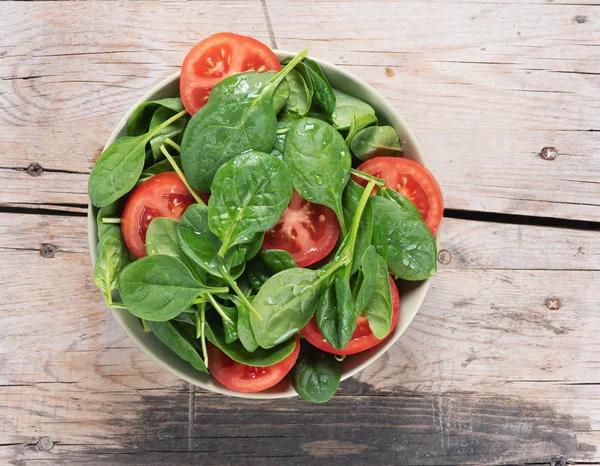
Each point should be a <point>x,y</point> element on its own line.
<point>412,180</point>
<point>307,231</point>
<point>248,379</point>
<point>163,195</point>
<point>217,57</point>
<point>362,338</point>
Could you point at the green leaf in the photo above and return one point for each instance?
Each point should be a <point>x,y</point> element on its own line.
<point>359,122</point>
<point>286,302</point>
<point>168,334</point>
<point>157,288</point>
<point>257,273</point>
<point>347,107</point>
<point>403,202</point>
<point>112,257</point>
<point>366,284</point>
<point>250,193</point>
<point>351,198</point>
<point>300,96</point>
<point>139,121</point>
<point>229,327</point>
<point>326,315</point>
<point>376,141</point>
<point>161,238</point>
<point>227,126</point>
<point>112,210</point>
<point>403,240</point>
<point>258,358</point>
<point>345,310</point>
<point>323,93</point>
<point>160,167</point>
<point>174,131</point>
<point>277,260</point>
<point>244,329</point>
<point>316,376</point>
<point>249,83</point>
<point>379,308</point>
<point>283,128</point>
<point>253,247</point>
<point>319,162</point>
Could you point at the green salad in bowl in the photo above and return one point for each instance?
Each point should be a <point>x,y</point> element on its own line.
<point>253,218</point>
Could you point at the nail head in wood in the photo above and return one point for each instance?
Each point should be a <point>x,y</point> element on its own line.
<point>552,303</point>
<point>548,153</point>
<point>48,250</point>
<point>445,257</point>
<point>35,169</point>
<point>44,444</point>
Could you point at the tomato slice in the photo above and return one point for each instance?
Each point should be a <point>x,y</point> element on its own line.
<point>307,231</point>
<point>248,379</point>
<point>412,180</point>
<point>362,338</point>
<point>216,58</point>
<point>163,195</point>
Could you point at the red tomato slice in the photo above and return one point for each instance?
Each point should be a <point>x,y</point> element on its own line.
<point>248,379</point>
<point>216,58</point>
<point>412,180</point>
<point>163,195</point>
<point>362,338</point>
<point>307,231</point>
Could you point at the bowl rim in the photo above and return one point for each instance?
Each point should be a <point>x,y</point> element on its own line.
<point>380,349</point>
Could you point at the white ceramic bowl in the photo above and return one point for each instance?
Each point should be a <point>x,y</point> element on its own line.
<point>411,293</point>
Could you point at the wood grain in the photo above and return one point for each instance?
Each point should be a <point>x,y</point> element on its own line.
<point>486,374</point>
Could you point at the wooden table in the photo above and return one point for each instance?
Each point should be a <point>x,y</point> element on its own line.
<point>501,365</point>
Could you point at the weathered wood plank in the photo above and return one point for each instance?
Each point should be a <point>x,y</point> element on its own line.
<point>486,374</point>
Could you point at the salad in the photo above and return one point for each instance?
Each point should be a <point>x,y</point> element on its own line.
<point>232,223</point>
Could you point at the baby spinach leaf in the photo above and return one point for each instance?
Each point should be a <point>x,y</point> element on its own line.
<point>174,131</point>
<point>168,334</point>
<point>376,141</point>
<point>139,121</point>
<point>249,83</point>
<point>319,162</point>
<point>351,198</point>
<point>253,247</point>
<point>120,165</point>
<point>359,122</point>
<point>161,238</point>
<point>227,126</point>
<point>326,315</point>
<point>258,358</point>
<point>250,192</point>
<point>403,240</point>
<point>345,309</point>
<point>323,93</point>
<point>158,288</point>
<point>379,306</point>
<point>286,302</point>
<point>365,284</point>
<point>257,273</point>
<point>283,128</point>
<point>160,167</point>
<point>277,260</point>
<point>112,257</point>
<point>230,326</point>
<point>403,202</point>
<point>300,96</point>
<point>112,210</point>
<point>316,376</point>
<point>347,107</point>
<point>244,329</point>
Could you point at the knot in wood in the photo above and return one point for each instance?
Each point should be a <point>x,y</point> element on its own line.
<point>558,461</point>
<point>48,250</point>
<point>580,19</point>
<point>445,257</point>
<point>34,169</point>
<point>389,72</point>
<point>44,444</point>
<point>552,303</point>
<point>549,153</point>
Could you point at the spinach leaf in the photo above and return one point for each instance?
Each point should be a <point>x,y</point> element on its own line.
<point>244,329</point>
<point>251,82</point>
<point>319,162</point>
<point>168,334</point>
<point>403,202</point>
<point>403,240</point>
<point>161,238</point>
<point>158,288</point>
<point>250,192</point>
<point>286,302</point>
<point>347,107</point>
<point>378,309</point>
<point>174,131</point>
<point>230,325</point>
<point>323,93</point>
<point>351,198</point>
<point>258,358</point>
<point>283,128</point>
<point>300,94</point>
<point>346,319</point>
<point>257,273</point>
<point>359,122</point>
<point>376,141</point>
<point>227,126</point>
<point>316,376</point>
<point>277,260</point>
<point>120,165</point>
<point>160,167</point>
<point>253,247</point>
<point>139,121</point>
<point>326,315</point>
<point>112,210</point>
<point>112,257</point>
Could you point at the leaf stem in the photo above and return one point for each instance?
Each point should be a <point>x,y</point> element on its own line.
<point>276,80</point>
<point>199,301</point>
<point>231,282</point>
<point>111,220</point>
<point>145,325</point>
<point>202,336</point>
<point>366,176</point>
<point>165,152</point>
<point>173,144</point>
<point>218,308</point>
<point>117,305</point>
